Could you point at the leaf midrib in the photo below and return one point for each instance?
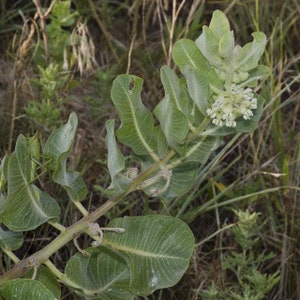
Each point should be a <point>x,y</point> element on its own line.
<point>135,121</point>
<point>28,190</point>
<point>140,252</point>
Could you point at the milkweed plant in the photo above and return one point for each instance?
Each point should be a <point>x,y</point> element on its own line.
<point>214,96</point>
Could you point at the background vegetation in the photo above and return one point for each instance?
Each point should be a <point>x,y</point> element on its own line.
<point>261,172</point>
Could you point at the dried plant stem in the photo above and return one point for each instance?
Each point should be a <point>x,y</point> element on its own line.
<point>175,14</point>
<point>103,29</point>
<point>129,54</point>
<point>13,115</point>
<point>43,17</point>
<point>171,28</point>
<point>22,52</point>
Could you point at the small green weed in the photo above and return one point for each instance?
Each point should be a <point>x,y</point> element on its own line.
<point>245,264</point>
<point>46,112</point>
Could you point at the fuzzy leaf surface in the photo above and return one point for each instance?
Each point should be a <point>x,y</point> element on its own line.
<point>261,72</point>
<point>115,160</point>
<point>10,240</point>
<point>25,289</point>
<point>183,176</point>
<point>101,275</point>
<point>219,24</point>
<point>208,43</point>
<point>198,88</point>
<point>226,45</point>
<point>173,123</point>
<point>57,149</point>
<point>47,278</point>
<point>217,41</point>
<point>186,53</point>
<point>137,124</point>
<point>201,149</point>
<point>25,207</point>
<point>182,179</point>
<point>3,172</point>
<point>249,55</point>
<point>173,88</point>
<point>156,248</point>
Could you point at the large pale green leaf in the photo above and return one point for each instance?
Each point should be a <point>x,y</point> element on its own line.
<point>25,289</point>
<point>162,144</point>
<point>10,240</point>
<point>219,24</point>
<point>137,122</point>
<point>3,172</point>
<point>174,111</point>
<point>226,45</point>
<point>249,55</point>
<point>198,88</point>
<point>209,46</point>
<point>157,249</point>
<point>183,177</point>
<point>34,150</point>
<point>115,160</point>
<point>2,199</point>
<point>101,275</point>
<point>260,73</point>
<point>57,149</point>
<point>186,53</point>
<point>201,149</point>
<point>47,278</point>
<point>217,41</point>
<point>173,123</point>
<point>173,88</point>
<point>3,178</point>
<point>25,207</point>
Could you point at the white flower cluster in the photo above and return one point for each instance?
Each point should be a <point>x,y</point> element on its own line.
<point>230,104</point>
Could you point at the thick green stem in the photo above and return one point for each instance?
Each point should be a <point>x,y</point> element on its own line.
<point>62,239</point>
<point>197,132</point>
<point>81,208</point>
<point>11,255</point>
<point>71,232</point>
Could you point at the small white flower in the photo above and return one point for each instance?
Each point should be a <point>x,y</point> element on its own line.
<point>231,104</point>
